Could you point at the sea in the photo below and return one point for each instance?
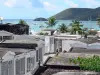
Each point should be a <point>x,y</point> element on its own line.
<point>36,26</point>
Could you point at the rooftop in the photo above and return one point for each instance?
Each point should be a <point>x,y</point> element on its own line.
<point>17,51</point>
<point>18,45</point>
<point>2,53</point>
<point>24,39</point>
<point>5,33</point>
<point>85,50</point>
<point>27,41</point>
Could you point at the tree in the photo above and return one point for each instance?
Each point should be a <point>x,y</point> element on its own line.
<point>22,22</point>
<point>63,28</point>
<point>23,26</point>
<point>76,27</point>
<point>51,22</point>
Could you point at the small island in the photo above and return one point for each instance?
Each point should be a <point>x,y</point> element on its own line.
<point>40,19</point>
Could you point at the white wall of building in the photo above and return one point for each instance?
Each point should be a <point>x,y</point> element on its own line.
<point>8,56</point>
<point>18,64</point>
<point>66,45</point>
<point>49,44</point>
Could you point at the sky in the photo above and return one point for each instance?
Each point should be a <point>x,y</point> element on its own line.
<point>30,9</point>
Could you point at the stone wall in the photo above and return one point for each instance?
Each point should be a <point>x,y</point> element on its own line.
<point>15,28</point>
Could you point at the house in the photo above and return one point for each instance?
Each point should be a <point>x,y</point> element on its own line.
<point>20,57</point>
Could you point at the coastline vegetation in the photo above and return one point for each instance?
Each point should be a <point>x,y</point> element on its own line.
<point>76,27</point>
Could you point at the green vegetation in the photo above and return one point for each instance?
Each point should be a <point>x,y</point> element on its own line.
<point>51,22</point>
<point>81,13</point>
<point>89,63</point>
<point>63,28</point>
<point>22,22</point>
<point>76,27</point>
<point>41,33</point>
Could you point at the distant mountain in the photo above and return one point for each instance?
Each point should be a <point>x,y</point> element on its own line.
<point>40,19</point>
<point>78,13</point>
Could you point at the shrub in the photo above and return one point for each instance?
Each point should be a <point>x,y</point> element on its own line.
<point>41,33</point>
<point>90,63</point>
<point>45,33</point>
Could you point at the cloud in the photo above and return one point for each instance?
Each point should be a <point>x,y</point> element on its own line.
<point>49,7</point>
<point>24,3</point>
<point>71,3</point>
<point>91,3</point>
<point>10,3</point>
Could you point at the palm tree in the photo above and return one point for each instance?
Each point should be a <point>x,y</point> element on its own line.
<point>76,27</point>
<point>63,28</point>
<point>23,26</point>
<point>22,22</point>
<point>51,22</point>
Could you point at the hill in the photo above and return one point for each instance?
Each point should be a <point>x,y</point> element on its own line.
<point>80,13</point>
<point>40,19</point>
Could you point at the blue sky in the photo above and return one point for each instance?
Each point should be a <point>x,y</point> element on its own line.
<point>30,9</point>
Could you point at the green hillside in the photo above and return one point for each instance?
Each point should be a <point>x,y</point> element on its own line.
<point>80,13</point>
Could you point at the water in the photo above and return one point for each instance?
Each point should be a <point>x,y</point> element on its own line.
<point>35,25</point>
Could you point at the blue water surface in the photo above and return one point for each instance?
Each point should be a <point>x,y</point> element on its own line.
<point>35,25</point>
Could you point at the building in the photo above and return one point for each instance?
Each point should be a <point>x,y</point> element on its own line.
<point>20,57</point>
<point>49,31</point>
<point>59,42</point>
<point>49,44</point>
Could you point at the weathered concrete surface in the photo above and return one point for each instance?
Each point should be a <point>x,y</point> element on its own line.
<point>74,55</point>
<point>76,73</point>
<point>46,56</point>
<point>64,58</point>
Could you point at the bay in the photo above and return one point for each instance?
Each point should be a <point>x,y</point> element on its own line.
<point>35,25</point>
